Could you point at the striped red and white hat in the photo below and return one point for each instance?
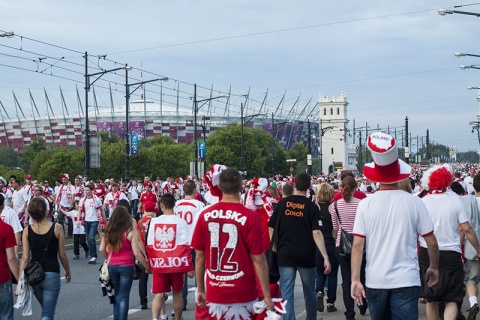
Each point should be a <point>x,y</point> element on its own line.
<point>386,167</point>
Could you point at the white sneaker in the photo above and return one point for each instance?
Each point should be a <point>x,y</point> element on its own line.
<point>93,260</point>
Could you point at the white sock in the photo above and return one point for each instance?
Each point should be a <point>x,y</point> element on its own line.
<point>473,300</point>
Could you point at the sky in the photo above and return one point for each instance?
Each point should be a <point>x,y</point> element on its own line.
<point>392,58</point>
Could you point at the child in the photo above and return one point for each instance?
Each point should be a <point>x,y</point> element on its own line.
<point>78,230</point>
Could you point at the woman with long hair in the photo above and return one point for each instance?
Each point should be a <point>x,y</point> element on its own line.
<point>343,214</point>
<point>324,196</point>
<point>120,245</point>
<point>44,242</point>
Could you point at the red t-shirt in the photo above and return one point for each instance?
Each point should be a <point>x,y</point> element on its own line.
<point>356,194</point>
<point>7,240</point>
<point>229,233</point>
<point>100,192</point>
<point>147,197</point>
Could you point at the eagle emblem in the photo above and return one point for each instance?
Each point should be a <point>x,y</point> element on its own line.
<point>165,237</point>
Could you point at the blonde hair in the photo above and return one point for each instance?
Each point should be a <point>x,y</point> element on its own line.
<point>325,193</point>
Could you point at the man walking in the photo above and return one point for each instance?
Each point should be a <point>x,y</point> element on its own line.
<point>91,207</point>
<point>298,234</point>
<point>391,219</point>
<point>8,266</point>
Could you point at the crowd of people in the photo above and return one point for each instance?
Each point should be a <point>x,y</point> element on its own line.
<point>395,232</point>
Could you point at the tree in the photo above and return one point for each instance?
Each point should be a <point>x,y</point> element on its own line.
<point>49,164</point>
<point>30,152</point>
<point>8,157</point>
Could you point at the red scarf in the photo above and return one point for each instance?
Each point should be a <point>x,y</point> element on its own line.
<point>69,194</point>
<point>101,220</point>
<point>113,203</point>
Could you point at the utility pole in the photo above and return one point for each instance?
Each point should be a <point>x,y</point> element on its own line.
<point>87,124</point>
<point>309,155</point>
<point>407,150</point>
<point>427,145</point>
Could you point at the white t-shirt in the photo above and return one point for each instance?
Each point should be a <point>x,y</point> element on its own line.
<point>19,197</point>
<point>8,197</point>
<point>66,194</point>
<point>10,217</point>
<point>469,182</point>
<point>91,206</point>
<point>134,192</point>
<point>446,211</point>
<point>188,210</point>
<point>112,201</point>
<point>390,221</point>
<point>76,229</point>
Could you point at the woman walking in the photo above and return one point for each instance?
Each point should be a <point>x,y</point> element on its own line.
<point>343,217</point>
<point>120,245</point>
<point>324,198</point>
<point>44,242</point>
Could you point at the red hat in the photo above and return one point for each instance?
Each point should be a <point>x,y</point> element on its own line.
<point>28,177</point>
<point>212,178</point>
<point>150,206</point>
<point>65,176</point>
<point>472,169</point>
<point>386,167</point>
<point>148,184</point>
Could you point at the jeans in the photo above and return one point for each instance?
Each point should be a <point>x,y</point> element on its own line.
<point>6,301</point>
<point>47,293</point>
<point>345,269</point>
<point>287,286</point>
<point>393,304</point>
<point>134,206</point>
<point>332,277</point>
<point>122,279</point>
<point>90,231</point>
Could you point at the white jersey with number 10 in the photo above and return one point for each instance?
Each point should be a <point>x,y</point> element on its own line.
<point>188,211</point>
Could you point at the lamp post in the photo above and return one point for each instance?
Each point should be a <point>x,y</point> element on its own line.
<point>309,155</point>
<point>128,93</point>
<point>88,85</point>
<point>322,133</point>
<point>242,121</point>
<point>195,112</point>
<point>274,130</point>
<point>444,12</point>
<point>8,34</point>
<point>469,67</point>
<point>460,54</point>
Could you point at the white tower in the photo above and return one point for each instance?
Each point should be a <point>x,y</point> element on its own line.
<point>333,132</point>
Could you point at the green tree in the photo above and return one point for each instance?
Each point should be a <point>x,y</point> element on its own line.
<point>8,157</point>
<point>49,164</point>
<point>30,152</point>
<point>112,161</point>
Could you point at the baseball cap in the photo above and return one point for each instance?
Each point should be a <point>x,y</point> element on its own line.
<point>78,177</point>
<point>28,177</point>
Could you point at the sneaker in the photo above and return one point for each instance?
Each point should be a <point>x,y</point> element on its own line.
<point>320,306</point>
<point>165,297</point>
<point>76,257</point>
<point>363,308</point>
<point>331,307</point>
<point>93,260</point>
<point>472,312</point>
<point>87,254</point>
<point>173,315</point>
<point>144,306</point>
<point>164,317</point>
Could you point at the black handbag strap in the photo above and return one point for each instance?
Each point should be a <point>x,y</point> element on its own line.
<point>52,228</point>
<point>338,216</point>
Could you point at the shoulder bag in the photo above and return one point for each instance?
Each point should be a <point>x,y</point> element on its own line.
<point>273,271</point>
<point>104,274</point>
<point>346,239</point>
<point>34,272</point>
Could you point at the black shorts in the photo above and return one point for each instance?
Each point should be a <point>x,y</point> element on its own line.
<point>450,283</point>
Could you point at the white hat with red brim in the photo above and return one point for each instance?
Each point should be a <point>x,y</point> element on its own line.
<point>386,167</point>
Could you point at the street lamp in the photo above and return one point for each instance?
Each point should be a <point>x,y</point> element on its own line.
<point>88,85</point>
<point>195,112</point>
<point>460,54</point>
<point>128,93</point>
<point>444,12</point>
<point>462,67</point>
<point>274,130</point>
<point>472,88</point>
<point>8,34</point>
<point>242,120</point>
<point>322,133</point>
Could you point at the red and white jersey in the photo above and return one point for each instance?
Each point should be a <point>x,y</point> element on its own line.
<point>90,207</point>
<point>168,247</point>
<point>111,199</point>
<point>170,188</point>
<point>228,233</point>
<point>79,192</point>
<point>65,195</point>
<point>100,192</point>
<point>188,210</point>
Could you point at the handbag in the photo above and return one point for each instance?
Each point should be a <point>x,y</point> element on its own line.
<point>34,272</point>
<point>346,239</point>
<point>273,271</point>
<point>138,271</point>
<point>104,274</point>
